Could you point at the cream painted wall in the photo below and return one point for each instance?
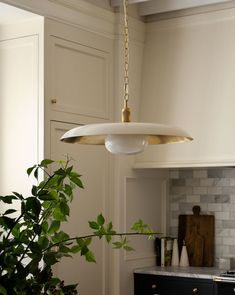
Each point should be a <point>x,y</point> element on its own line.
<point>188,81</point>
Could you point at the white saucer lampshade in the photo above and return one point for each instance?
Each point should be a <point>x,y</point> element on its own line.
<point>126,137</point>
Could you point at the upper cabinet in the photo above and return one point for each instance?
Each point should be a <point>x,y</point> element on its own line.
<point>189,81</point>
<point>78,68</point>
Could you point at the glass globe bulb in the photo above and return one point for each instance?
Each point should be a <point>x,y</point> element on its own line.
<point>125,144</point>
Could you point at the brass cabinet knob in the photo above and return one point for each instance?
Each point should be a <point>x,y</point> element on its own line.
<point>53,101</point>
<point>195,290</point>
<point>154,286</point>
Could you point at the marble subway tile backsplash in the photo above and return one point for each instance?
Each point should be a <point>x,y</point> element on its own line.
<point>213,189</point>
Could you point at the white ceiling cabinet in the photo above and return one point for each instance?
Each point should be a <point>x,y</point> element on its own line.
<point>188,81</point>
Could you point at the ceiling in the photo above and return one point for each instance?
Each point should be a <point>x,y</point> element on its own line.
<point>144,7</point>
<point>10,14</point>
<point>150,7</point>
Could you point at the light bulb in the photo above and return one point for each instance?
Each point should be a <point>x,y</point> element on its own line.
<point>126,144</point>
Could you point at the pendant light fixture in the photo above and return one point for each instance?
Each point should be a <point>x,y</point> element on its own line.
<point>125,138</point>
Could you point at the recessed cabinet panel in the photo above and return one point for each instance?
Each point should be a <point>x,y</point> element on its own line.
<point>139,191</point>
<point>92,163</point>
<point>19,124</point>
<point>80,79</point>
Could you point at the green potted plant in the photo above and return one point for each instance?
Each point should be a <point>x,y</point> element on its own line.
<point>32,241</point>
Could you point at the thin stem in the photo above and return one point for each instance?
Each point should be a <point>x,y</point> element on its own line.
<point>17,220</point>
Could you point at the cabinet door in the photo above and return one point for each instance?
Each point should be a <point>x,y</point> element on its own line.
<point>80,78</point>
<point>92,163</point>
<point>168,285</point>
<point>20,127</point>
<point>183,286</point>
<point>147,285</point>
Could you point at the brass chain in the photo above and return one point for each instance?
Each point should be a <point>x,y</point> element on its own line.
<point>126,53</point>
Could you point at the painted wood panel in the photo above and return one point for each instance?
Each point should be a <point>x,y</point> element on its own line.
<point>80,79</point>
<point>188,81</point>
<point>19,99</point>
<point>92,163</point>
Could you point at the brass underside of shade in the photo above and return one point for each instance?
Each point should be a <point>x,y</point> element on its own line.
<point>152,139</point>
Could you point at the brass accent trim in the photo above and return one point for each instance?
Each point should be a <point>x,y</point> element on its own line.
<point>126,114</point>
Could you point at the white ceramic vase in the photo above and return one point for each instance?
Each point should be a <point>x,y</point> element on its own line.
<point>175,253</point>
<point>184,257</point>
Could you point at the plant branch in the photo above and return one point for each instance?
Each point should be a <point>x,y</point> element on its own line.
<point>99,236</point>
<point>17,220</point>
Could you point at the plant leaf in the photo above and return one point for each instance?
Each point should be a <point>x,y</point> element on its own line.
<point>19,196</point>
<point>50,258</point>
<point>100,219</point>
<point>77,181</point>
<point>37,228</point>
<point>58,215</point>
<point>9,211</point>
<point>34,205</point>
<point>46,162</point>
<point>64,208</point>
<point>90,257</point>
<point>29,170</point>
<point>7,222</point>
<point>94,225</point>
<point>3,291</point>
<point>8,199</point>
<point>55,225</point>
<point>44,242</point>
<point>46,197</point>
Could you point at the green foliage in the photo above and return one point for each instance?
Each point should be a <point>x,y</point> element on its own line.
<point>35,233</point>
<point>141,228</point>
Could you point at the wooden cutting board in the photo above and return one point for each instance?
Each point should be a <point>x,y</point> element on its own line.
<point>198,232</point>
